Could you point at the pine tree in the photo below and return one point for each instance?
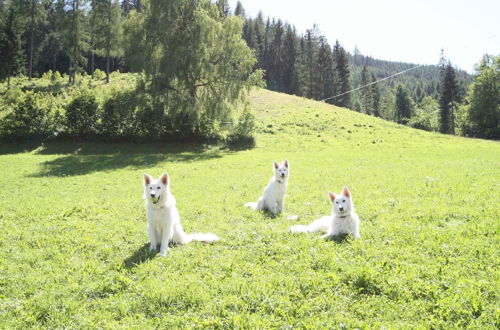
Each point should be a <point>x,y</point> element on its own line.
<point>249,34</point>
<point>404,107</point>
<point>376,97</point>
<point>366,92</point>
<point>107,30</point>
<point>53,42</point>
<point>448,100</point>
<point>289,75</point>
<point>310,55</point>
<point>274,71</point>
<point>342,75</point>
<point>239,10</point>
<point>12,25</point>
<point>324,70</point>
<point>75,36</point>
<point>259,31</point>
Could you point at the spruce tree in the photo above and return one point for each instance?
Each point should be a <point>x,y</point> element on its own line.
<point>448,100</point>
<point>366,92</point>
<point>259,31</point>
<point>274,73</point>
<point>404,107</point>
<point>75,36</point>
<point>376,97</point>
<point>53,41</point>
<point>289,75</point>
<point>310,57</point>
<point>239,10</point>
<point>107,30</point>
<point>342,75</point>
<point>324,71</point>
<point>12,25</point>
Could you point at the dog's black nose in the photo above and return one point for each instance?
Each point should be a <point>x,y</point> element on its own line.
<point>152,195</point>
<point>341,208</point>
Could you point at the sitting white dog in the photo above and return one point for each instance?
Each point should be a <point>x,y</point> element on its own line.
<point>164,224</point>
<point>343,220</point>
<point>274,194</point>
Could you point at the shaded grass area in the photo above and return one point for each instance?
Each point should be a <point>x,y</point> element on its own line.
<point>74,250</point>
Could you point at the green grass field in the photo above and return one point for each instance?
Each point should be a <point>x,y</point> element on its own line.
<point>74,248</point>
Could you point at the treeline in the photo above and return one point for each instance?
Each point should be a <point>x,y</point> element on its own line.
<point>430,97</point>
<point>68,36</point>
<point>305,65</point>
<point>197,59</point>
<point>194,69</point>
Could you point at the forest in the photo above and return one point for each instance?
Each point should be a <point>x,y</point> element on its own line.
<point>191,81</point>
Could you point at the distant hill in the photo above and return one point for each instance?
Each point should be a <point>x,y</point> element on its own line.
<point>421,82</point>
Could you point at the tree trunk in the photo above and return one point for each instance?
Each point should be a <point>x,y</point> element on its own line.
<point>107,67</point>
<point>54,62</point>
<point>32,23</point>
<point>108,43</point>
<point>92,65</point>
<point>8,75</point>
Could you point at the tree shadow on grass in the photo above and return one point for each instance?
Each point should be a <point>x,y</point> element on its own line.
<point>140,256</point>
<point>84,158</point>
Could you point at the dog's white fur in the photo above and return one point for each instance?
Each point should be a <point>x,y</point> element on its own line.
<point>273,198</point>
<point>344,219</point>
<point>163,218</point>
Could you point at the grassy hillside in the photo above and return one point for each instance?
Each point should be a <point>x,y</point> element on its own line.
<point>73,244</point>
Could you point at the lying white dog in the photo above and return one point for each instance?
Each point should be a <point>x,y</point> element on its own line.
<point>343,220</point>
<point>164,224</point>
<point>274,194</point>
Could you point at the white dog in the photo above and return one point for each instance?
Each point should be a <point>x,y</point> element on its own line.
<point>274,194</point>
<point>164,224</point>
<point>344,219</point>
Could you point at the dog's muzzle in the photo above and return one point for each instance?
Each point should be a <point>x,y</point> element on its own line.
<point>155,199</point>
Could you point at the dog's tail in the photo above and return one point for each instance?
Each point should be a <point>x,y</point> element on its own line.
<point>321,224</point>
<point>252,205</point>
<point>202,237</point>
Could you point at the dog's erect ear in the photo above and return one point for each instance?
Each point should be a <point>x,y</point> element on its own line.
<point>276,165</point>
<point>147,178</point>
<point>286,163</point>
<point>331,195</point>
<point>164,178</point>
<point>346,192</point>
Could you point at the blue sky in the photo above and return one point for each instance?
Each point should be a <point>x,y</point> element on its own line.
<point>409,31</point>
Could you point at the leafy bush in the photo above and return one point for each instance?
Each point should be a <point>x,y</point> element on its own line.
<point>118,116</point>
<point>150,118</point>
<point>243,131</point>
<point>82,115</point>
<point>99,74</point>
<point>426,115</point>
<point>30,118</point>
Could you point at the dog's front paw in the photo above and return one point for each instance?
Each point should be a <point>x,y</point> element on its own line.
<point>164,252</point>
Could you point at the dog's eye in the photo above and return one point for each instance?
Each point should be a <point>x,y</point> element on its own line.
<point>343,201</point>
<point>150,188</point>
<point>158,187</point>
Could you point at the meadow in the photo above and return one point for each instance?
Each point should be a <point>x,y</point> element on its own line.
<point>74,248</point>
